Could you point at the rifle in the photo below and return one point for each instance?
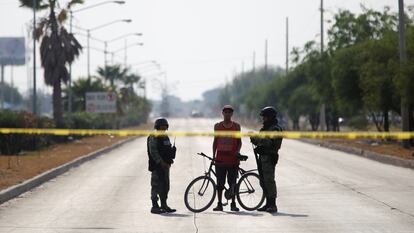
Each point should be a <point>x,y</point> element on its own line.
<point>259,169</point>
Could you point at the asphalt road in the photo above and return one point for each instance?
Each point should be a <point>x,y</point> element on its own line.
<point>320,190</point>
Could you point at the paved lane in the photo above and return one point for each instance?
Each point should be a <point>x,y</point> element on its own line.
<point>320,190</point>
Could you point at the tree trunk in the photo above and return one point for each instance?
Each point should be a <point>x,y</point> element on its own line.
<point>57,49</point>
<point>57,103</point>
<point>376,122</point>
<point>411,121</point>
<point>296,124</point>
<point>314,121</point>
<point>386,121</point>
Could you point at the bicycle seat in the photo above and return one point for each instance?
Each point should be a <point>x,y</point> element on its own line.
<point>242,157</point>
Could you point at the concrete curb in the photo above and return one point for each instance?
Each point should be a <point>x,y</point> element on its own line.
<point>383,158</point>
<point>16,190</point>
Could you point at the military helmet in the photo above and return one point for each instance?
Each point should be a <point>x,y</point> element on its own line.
<point>268,111</point>
<point>160,122</point>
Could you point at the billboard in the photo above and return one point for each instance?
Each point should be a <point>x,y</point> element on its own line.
<point>100,102</point>
<point>12,51</point>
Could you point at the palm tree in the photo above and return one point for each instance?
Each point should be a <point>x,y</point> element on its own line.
<point>113,74</point>
<point>57,48</point>
<point>83,85</point>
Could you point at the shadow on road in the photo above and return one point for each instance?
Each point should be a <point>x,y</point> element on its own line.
<point>243,213</point>
<point>290,215</point>
<point>177,215</point>
<point>240,213</point>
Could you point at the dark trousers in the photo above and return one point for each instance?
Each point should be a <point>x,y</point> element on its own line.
<point>160,184</point>
<point>230,172</point>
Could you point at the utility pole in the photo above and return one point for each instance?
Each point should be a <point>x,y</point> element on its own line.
<point>403,59</point>
<point>2,89</point>
<point>322,39</point>
<point>145,89</point>
<point>254,61</point>
<point>34,58</point>
<point>12,84</point>
<point>89,54</point>
<point>125,54</point>
<point>322,117</point>
<point>265,68</point>
<point>105,54</point>
<point>287,45</point>
<point>70,73</point>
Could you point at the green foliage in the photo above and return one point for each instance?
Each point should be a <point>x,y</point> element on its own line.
<point>346,65</point>
<point>359,75</point>
<point>11,144</point>
<point>58,48</point>
<point>12,94</point>
<point>86,120</point>
<point>79,89</point>
<point>358,122</point>
<point>114,74</point>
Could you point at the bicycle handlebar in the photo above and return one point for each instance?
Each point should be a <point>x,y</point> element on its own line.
<point>239,156</point>
<point>204,155</point>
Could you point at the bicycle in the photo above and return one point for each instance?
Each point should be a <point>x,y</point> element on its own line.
<point>201,192</point>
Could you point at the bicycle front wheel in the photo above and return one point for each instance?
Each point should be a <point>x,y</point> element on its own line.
<point>200,194</point>
<point>250,194</point>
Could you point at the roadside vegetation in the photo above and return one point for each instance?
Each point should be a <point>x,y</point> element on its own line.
<point>58,49</point>
<point>358,78</point>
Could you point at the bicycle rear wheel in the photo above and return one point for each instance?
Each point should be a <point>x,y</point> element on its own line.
<point>200,194</point>
<point>250,194</point>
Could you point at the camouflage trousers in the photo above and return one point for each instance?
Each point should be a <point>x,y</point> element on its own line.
<point>160,183</point>
<point>268,171</point>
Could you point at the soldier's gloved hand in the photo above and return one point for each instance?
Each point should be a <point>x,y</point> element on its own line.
<point>164,164</point>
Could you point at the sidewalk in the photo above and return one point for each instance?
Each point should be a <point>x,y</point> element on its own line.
<point>390,153</point>
<point>17,169</point>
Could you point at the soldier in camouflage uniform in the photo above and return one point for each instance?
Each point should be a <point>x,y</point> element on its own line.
<point>161,155</point>
<point>268,149</point>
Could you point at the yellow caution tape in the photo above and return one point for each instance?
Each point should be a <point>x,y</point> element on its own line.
<point>273,134</point>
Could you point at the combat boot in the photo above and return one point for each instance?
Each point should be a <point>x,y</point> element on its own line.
<point>219,207</point>
<point>155,209</point>
<point>264,208</point>
<point>165,207</point>
<point>272,208</point>
<point>233,207</point>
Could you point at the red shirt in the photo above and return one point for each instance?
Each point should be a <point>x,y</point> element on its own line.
<point>226,148</point>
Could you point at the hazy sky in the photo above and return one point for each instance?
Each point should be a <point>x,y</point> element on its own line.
<point>199,44</point>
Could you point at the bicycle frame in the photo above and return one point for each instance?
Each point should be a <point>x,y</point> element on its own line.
<point>240,170</point>
<point>203,188</point>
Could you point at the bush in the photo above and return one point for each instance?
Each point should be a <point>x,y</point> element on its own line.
<point>86,120</point>
<point>359,122</point>
<point>14,143</point>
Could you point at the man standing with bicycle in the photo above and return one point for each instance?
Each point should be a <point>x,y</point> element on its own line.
<point>225,150</point>
<point>268,149</point>
<point>161,155</point>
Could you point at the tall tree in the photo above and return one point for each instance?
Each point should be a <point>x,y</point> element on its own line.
<point>113,74</point>
<point>83,85</point>
<point>58,48</point>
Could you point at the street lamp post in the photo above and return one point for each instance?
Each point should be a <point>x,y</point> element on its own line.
<point>106,42</point>
<point>70,30</point>
<point>34,58</point>
<point>88,31</point>
<point>124,48</point>
<point>403,59</point>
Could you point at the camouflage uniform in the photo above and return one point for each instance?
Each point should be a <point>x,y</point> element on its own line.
<point>159,148</point>
<point>268,149</point>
